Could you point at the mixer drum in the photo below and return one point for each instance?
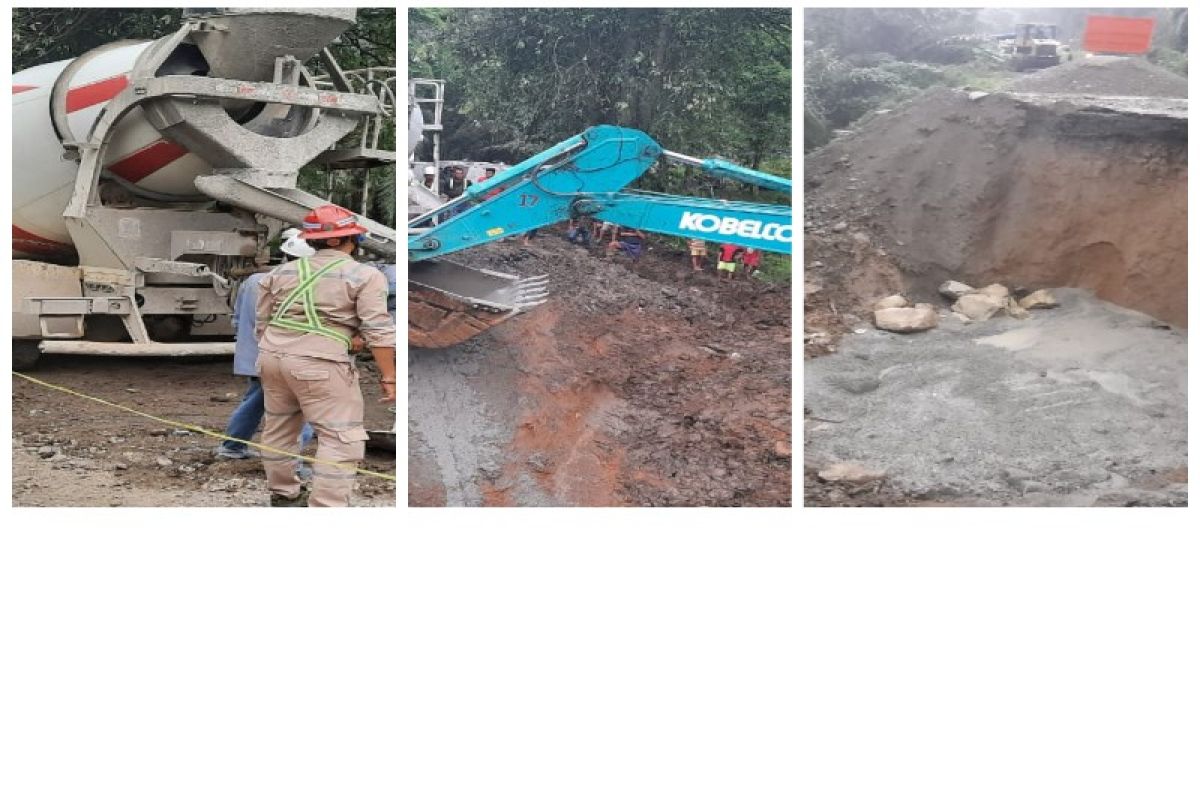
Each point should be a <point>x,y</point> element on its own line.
<point>43,180</point>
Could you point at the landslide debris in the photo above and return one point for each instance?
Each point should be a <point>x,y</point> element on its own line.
<point>1065,192</point>
<point>638,383</point>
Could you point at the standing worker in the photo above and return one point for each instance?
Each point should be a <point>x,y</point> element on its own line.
<point>751,261</point>
<point>458,182</point>
<point>249,414</point>
<point>699,252</point>
<point>309,311</point>
<point>454,188</point>
<point>488,174</point>
<point>727,258</point>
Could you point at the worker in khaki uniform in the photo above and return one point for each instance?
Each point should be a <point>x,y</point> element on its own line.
<point>309,313</point>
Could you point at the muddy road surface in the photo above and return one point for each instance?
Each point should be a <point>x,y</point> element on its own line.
<point>637,384</point>
<point>70,451</point>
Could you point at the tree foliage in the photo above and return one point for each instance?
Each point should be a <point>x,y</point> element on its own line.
<point>905,33</point>
<point>858,59</point>
<point>701,81</point>
<point>44,35</point>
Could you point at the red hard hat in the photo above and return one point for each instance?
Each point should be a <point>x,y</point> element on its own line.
<point>330,222</point>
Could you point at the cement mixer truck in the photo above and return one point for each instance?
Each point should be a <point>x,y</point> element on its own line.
<point>149,178</point>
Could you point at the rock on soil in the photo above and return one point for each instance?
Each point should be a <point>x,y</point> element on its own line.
<point>906,320</point>
<point>849,472</point>
<point>891,301</point>
<point>978,307</point>
<point>1042,298</point>
<point>638,383</point>
<point>1015,310</point>
<point>952,290</point>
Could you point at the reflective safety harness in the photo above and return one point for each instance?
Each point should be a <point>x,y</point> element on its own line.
<point>304,294</point>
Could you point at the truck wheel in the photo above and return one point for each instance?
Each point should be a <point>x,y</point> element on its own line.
<point>25,354</point>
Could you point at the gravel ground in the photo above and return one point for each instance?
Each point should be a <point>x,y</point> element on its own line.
<point>1080,405</point>
<point>68,451</point>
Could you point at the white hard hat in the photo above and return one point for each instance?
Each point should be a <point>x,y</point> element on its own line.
<point>290,233</point>
<point>296,247</point>
<point>430,171</point>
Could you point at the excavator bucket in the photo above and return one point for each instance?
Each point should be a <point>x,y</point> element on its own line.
<point>382,440</point>
<point>449,303</point>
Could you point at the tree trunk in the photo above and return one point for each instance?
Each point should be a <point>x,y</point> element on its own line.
<point>652,95</point>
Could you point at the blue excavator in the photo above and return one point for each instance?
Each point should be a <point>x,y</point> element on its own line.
<point>586,175</point>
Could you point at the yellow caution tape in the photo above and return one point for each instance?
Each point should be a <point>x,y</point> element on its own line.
<point>198,429</point>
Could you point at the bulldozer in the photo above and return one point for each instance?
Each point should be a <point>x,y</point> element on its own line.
<point>1033,45</point>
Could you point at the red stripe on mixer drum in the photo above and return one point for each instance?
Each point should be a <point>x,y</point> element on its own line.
<point>17,89</point>
<point>145,162</point>
<point>27,242</point>
<point>91,94</point>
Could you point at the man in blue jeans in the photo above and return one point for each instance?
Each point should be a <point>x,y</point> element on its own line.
<point>249,413</point>
<point>389,272</point>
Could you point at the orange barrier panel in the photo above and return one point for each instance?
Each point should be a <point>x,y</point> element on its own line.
<point>1123,35</point>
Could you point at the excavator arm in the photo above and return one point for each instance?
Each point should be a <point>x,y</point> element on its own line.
<point>760,225</point>
<point>587,174</point>
<point>537,192</point>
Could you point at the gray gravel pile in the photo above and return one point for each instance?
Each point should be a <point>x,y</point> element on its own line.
<point>1106,76</point>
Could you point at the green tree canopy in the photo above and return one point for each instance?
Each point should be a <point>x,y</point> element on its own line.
<point>44,35</point>
<point>700,81</point>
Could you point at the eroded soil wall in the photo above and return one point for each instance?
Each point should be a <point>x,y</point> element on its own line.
<point>637,383</point>
<point>1024,190</point>
<point>1105,216</point>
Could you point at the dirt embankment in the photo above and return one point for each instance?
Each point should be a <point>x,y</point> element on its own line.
<point>70,451</point>
<point>636,384</point>
<point>1025,191</point>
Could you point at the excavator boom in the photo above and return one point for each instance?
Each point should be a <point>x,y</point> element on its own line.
<point>587,174</point>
